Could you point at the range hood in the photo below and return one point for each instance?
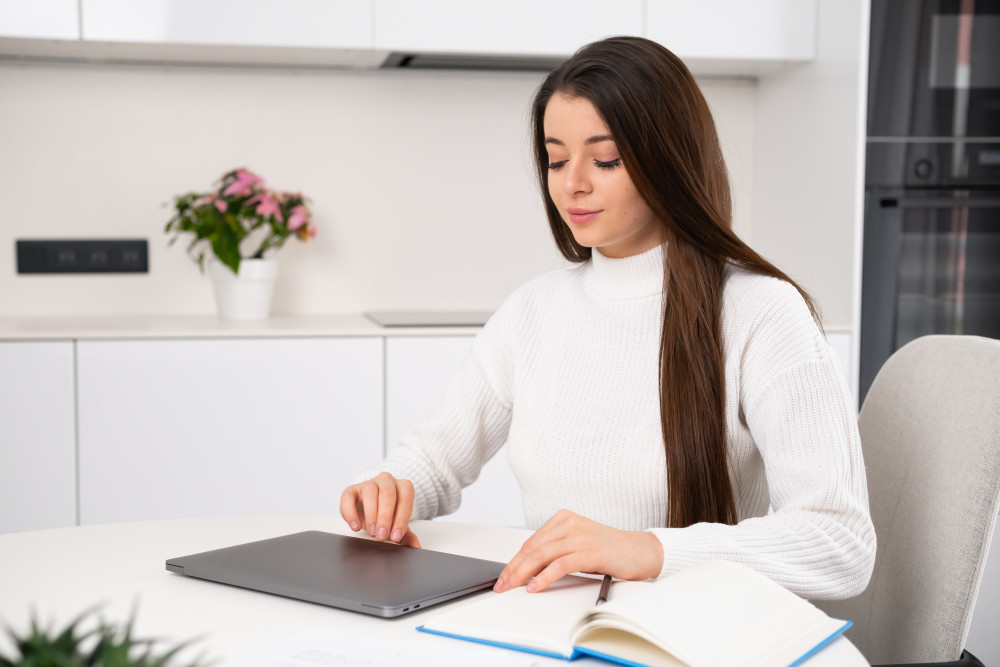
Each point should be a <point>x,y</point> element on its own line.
<point>455,61</point>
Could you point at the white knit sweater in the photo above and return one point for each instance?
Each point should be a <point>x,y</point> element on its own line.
<point>566,375</point>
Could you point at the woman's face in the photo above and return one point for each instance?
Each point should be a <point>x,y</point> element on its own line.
<point>589,184</point>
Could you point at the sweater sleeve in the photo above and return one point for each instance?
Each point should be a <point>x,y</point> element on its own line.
<point>818,541</point>
<point>468,425</point>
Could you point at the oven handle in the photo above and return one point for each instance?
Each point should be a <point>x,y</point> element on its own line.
<point>940,202</point>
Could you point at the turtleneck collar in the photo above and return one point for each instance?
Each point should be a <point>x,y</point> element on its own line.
<point>628,277</point>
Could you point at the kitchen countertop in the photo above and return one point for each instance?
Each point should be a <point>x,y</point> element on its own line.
<point>111,327</point>
<point>208,326</point>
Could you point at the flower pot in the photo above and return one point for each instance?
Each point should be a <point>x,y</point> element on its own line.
<point>246,296</point>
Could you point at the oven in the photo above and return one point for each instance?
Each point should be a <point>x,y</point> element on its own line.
<point>931,243</point>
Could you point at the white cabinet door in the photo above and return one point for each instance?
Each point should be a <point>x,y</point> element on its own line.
<point>37,436</point>
<point>40,19</point>
<point>503,27</point>
<point>200,428</point>
<point>289,23</point>
<point>761,30</point>
<point>417,371</point>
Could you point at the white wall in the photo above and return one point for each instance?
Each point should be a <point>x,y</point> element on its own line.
<point>421,182</point>
<point>808,166</point>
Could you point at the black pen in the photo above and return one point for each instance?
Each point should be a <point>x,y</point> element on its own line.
<point>602,597</point>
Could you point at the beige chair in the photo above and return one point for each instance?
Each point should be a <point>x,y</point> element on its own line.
<point>930,430</point>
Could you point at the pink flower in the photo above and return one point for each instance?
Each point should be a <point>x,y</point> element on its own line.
<point>243,185</point>
<point>266,205</point>
<point>299,217</point>
<point>221,205</point>
<point>204,199</point>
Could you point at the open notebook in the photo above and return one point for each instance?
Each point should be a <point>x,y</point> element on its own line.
<point>713,613</point>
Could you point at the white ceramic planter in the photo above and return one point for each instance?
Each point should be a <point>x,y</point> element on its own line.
<point>247,296</point>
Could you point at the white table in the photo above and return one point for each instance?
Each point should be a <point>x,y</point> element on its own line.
<point>61,572</point>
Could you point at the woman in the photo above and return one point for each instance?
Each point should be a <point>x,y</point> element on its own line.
<point>660,395</point>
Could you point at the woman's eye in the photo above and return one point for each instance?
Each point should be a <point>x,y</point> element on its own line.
<point>555,165</point>
<point>610,164</point>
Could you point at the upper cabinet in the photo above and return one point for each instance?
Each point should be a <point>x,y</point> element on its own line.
<point>726,37</point>
<point>40,19</point>
<point>344,24</point>
<point>719,35</point>
<point>501,27</point>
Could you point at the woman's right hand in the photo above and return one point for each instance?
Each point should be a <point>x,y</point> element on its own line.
<point>382,506</point>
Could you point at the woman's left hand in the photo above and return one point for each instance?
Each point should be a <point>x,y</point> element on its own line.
<point>569,543</point>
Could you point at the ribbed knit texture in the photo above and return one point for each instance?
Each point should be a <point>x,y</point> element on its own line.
<point>566,375</point>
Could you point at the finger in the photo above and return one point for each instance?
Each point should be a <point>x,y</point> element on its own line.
<point>369,501</point>
<point>557,537</point>
<point>404,509</point>
<point>386,505</point>
<point>410,540</point>
<point>555,570</point>
<point>510,576</point>
<point>349,508</point>
<point>534,555</point>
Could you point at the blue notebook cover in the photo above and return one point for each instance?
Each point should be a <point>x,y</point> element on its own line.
<point>579,651</point>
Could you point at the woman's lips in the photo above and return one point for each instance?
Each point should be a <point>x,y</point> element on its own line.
<point>581,216</point>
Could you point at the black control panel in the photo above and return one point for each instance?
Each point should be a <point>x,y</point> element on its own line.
<point>83,256</point>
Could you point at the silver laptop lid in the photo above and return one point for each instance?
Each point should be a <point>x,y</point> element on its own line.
<point>377,578</point>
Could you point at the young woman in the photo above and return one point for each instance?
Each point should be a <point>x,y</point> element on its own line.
<point>658,397</point>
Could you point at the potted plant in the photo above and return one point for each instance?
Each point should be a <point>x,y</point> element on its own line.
<point>241,222</point>
<point>106,645</point>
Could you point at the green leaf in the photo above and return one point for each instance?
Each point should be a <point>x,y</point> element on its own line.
<point>113,646</point>
<point>226,247</point>
<point>233,223</point>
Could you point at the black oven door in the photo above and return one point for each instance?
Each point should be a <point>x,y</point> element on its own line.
<point>934,68</point>
<point>931,266</point>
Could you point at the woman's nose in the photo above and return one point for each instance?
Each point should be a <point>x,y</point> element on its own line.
<point>577,180</point>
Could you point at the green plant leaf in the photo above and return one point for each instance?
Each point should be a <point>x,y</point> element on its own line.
<point>113,646</point>
<point>226,247</point>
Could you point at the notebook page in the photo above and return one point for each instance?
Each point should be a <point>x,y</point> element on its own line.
<point>622,644</point>
<point>540,621</point>
<point>718,612</point>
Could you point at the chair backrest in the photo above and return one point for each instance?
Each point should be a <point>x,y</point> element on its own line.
<point>930,430</point>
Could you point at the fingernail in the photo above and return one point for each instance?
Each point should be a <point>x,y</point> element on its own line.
<point>382,533</point>
<point>371,529</point>
<point>355,526</point>
<point>532,586</point>
<point>498,587</point>
<point>397,535</point>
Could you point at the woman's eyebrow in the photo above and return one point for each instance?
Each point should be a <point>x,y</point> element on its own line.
<point>592,140</point>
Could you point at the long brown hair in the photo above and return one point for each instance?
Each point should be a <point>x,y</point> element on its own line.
<point>667,141</point>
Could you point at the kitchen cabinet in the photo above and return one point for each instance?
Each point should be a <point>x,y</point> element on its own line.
<point>417,371</point>
<point>40,19</point>
<point>501,27</point>
<point>337,24</point>
<point>755,38</point>
<point>225,427</point>
<point>37,435</point>
<point>762,31</point>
